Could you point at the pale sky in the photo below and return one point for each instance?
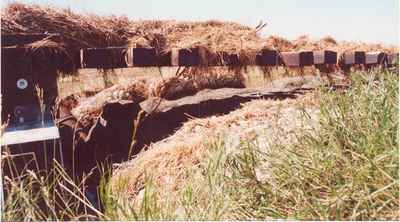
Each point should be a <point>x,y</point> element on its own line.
<point>373,21</point>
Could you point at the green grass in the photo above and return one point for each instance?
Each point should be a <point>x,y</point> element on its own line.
<point>344,168</point>
<point>38,196</point>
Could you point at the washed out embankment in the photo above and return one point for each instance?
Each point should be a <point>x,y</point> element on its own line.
<point>169,161</point>
<point>109,138</point>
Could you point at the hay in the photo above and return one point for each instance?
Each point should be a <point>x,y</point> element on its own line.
<point>213,36</point>
<point>134,91</point>
<point>91,31</point>
<point>279,43</point>
<point>304,42</point>
<point>194,80</point>
<point>48,51</point>
<point>328,43</point>
<point>77,31</point>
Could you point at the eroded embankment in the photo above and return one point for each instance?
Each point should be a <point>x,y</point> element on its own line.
<point>159,118</point>
<point>171,160</point>
<point>109,138</point>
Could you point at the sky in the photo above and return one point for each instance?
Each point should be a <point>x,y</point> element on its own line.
<point>374,21</point>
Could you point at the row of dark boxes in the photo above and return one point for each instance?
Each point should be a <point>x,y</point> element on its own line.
<point>118,57</point>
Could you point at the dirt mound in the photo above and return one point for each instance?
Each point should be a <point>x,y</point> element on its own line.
<point>194,80</point>
<point>186,84</point>
<point>133,91</point>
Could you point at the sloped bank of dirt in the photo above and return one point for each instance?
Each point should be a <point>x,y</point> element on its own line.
<point>169,161</point>
<point>110,137</point>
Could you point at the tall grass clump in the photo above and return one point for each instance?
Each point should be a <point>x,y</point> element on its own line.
<point>342,166</point>
<point>36,195</point>
<point>347,166</point>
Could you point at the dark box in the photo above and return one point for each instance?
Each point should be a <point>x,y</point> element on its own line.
<point>17,86</point>
<point>189,57</point>
<point>306,58</point>
<point>359,57</point>
<point>267,57</point>
<point>112,57</point>
<point>142,57</point>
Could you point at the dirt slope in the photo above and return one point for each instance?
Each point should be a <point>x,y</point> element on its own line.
<point>170,160</point>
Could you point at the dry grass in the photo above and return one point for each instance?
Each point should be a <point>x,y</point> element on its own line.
<point>328,43</point>
<point>77,31</point>
<point>214,35</point>
<point>304,42</point>
<point>84,31</point>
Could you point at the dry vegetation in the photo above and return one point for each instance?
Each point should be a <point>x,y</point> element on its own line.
<point>328,43</point>
<point>83,31</point>
<point>77,31</point>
